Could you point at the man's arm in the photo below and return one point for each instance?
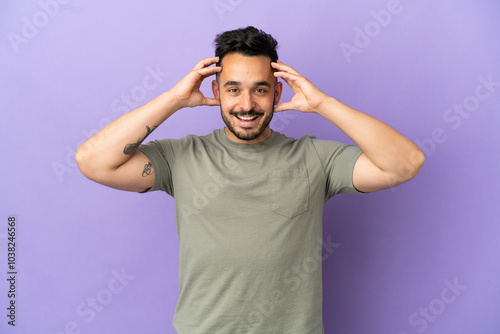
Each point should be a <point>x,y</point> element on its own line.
<point>388,157</point>
<point>110,157</point>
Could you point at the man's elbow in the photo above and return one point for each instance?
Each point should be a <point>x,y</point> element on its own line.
<point>411,167</point>
<point>85,162</point>
<point>417,160</point>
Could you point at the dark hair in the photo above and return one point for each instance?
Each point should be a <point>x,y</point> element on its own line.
<point>248,41</point>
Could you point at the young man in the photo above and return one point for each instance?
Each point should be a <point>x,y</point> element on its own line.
<point>249,200</point>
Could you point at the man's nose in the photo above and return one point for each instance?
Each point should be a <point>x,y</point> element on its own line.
<point>246,102</point>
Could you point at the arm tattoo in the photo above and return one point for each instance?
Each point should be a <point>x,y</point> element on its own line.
<point>130,148</point>
<point>148,169</point>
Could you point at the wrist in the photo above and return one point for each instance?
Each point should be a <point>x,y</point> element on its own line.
<point>172,101</point>
<point>327,106</point>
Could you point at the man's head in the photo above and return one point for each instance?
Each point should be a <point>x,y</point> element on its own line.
<point>246,87</point>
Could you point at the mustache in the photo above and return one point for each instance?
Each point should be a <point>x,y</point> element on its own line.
<point>250,112</point>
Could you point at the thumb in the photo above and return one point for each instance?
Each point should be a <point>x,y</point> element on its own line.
<point>211,102</point>
<point>283,106</point>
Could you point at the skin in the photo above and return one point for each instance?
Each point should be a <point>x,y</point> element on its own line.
<point>388,158</point>
<point>247,86</point>
<point>110,157</point>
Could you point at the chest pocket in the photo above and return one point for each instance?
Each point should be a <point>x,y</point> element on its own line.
<point>290,191</point>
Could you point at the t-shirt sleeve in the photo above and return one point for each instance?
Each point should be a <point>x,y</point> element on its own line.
<point>337,160</point>
<point>162,157</point>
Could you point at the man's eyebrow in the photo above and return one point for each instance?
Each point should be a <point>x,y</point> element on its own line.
<point>238,83</point>
<point>262,83</point>
<point>232,83</point>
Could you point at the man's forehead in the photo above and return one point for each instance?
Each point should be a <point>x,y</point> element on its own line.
<point>236,56</point>
<point>235,61</point>
<point>237,68</point>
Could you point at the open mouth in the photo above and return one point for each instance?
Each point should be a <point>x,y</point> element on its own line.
<point>247,121</point>
<point>246,118</point>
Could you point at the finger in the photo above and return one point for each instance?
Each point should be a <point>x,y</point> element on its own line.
<point>284,106</point>
<point>288,77</point>
<point>280,66</point>
<point>206,62</point>
<point>211,102</point>
<point>208,71</point>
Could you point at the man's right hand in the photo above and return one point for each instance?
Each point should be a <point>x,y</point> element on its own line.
<point>111,157</point>
<point>187,91</point>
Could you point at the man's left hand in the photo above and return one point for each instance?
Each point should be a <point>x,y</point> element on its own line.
<point>306,98</point>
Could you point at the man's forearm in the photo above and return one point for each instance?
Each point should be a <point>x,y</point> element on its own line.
<point>115,143</point>
<point>111,158</point>
<point>386,148</point>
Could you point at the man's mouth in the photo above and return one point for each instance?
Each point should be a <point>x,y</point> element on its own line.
<point>247,121</point>
<point>246,118</point>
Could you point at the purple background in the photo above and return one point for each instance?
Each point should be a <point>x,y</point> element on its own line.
<point>73,61</point>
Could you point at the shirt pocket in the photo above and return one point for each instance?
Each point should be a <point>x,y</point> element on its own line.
<point>289,191</point>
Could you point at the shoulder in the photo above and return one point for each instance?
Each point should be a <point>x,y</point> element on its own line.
<point>324,148</point>
<point>283,139</point>
<point>311,141</point>
<point>185,141</point>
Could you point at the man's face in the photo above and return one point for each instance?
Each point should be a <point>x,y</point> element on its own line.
<point>247,93</point>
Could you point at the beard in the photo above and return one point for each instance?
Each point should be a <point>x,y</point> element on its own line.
<point>247,134</point>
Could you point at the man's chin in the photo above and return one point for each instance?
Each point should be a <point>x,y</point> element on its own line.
<point>247,135</point>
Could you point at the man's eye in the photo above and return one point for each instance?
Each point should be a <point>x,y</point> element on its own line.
<point>260,90</point>
<point>232,90</point>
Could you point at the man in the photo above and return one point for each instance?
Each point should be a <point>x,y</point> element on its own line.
<point>249,200</point>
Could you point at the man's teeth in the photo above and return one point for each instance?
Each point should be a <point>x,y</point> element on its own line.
<point>247,118</point>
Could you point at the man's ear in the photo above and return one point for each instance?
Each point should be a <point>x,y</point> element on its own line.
<point>278,89</point>
<point>215,89</point>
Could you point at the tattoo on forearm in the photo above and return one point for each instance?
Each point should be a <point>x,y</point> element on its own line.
<point>130,148</point>
<point>148,169</point>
